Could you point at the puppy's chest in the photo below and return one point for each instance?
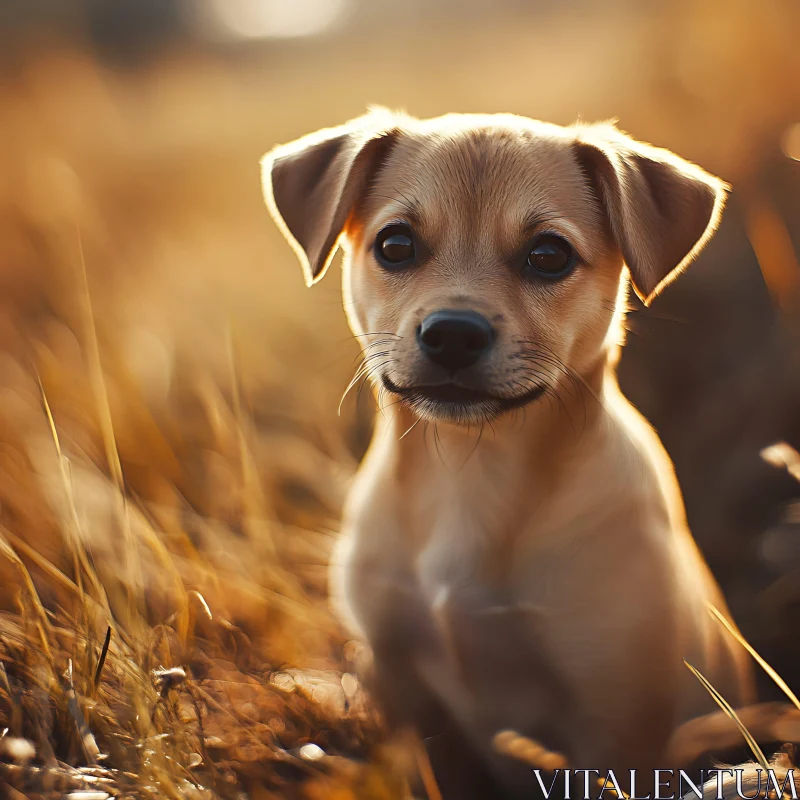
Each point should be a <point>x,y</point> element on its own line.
<point>457,542</point>
<point>459,579</point>
<point>450,542</point>
<point>486,642</point>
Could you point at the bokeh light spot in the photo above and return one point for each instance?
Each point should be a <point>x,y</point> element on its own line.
<point>276,19</point>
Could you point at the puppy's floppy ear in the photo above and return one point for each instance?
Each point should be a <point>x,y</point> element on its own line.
<point>311,185</point>
<point>661,209</point>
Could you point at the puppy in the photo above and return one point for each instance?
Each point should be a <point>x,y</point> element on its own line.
<point>514,546</point>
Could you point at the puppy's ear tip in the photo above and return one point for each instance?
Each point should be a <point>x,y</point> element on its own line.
<point>267,161</point>
<point>312,274</point>
<point>722,186</point>
<point>310,278</point>
<point>645,297</point>
<point>648,299</point>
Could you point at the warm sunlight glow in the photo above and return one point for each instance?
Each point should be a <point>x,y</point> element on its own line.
<point>276,19</point>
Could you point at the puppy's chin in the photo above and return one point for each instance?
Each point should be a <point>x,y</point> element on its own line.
<point>459,405</point>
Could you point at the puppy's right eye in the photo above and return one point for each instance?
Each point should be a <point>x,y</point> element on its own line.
<point>394,247</point>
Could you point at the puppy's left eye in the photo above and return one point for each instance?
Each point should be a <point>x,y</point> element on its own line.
<point>551,256</point>
<point>394,247</point>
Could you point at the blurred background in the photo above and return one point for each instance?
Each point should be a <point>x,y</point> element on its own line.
<point>172,464</point>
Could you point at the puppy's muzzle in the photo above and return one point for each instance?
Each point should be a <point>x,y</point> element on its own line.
<point>454,339</point>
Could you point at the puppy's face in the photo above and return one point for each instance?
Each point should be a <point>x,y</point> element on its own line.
<point>479,273</point>
<point>484,255</point>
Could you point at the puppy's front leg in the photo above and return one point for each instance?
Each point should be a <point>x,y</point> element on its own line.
<point>459,768</point>
<point>388,607</point>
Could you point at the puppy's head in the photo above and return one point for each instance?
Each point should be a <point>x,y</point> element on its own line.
<point>484,255</point>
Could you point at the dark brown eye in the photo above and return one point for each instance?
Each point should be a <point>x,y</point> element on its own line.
<point>551,256</point>
<point>394,247</point>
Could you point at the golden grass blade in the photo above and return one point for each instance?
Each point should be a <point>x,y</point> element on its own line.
<point>48,568</point>
<point>96,376</point>
<point>74,538</point>
<point>81,564</point>
<point>75,535</point>
<point>7,687</point>
<point>103,409</point>
<point>85,735</point>
<point>43,623</point>
<point>426,772</point>
<point>728,709</point>
<point>759,660</point>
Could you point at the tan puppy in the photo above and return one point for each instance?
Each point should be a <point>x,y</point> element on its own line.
<point>520,558</point>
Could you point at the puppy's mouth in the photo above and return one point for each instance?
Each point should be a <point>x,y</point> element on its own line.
<point>458,403</point>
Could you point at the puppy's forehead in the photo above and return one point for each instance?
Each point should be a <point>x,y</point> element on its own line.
<point>484,179</point>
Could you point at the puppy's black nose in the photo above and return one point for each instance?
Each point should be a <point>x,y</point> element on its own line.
<point>455,339</point>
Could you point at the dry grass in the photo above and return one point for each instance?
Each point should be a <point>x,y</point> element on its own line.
<point>221,579</point>
<point>223,664</point>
